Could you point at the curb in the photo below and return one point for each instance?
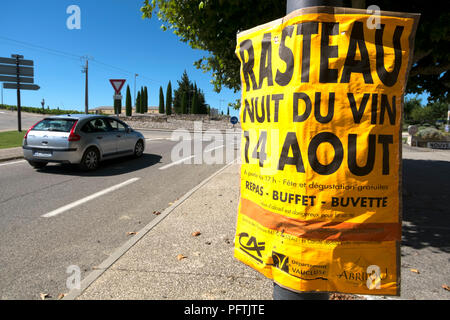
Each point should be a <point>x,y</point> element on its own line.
<point>11,155</point>
<point>10,158</point>
<point>118,253</point>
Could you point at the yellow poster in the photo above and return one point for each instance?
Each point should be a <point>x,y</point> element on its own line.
<point>321,108</point>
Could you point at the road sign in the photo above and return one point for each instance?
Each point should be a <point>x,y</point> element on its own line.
<point>13,61</point>
<point>117,84</point>
<point>12,73</point>
<point>117,97</point>
<point>22,86</point>
<point>234,120</point>
<point>12,70</point>
<point>14,79</point>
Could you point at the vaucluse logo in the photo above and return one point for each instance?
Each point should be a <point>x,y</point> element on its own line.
<point>280,261</point>
<point>251,246</point>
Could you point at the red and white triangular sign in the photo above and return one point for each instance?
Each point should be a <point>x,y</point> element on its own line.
<point>117,84</point>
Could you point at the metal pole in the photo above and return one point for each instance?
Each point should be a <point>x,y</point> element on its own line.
<point>280,293</point>
<point>86,90</point>
<point>19,117</point>
<point>292,5</point>
<point>134,98</point>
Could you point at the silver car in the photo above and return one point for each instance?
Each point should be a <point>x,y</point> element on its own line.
<point>80,139</point>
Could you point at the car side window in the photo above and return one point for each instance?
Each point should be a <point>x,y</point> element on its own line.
<point>99,125</point>
<point>117,126</point>
<point>87,128</point>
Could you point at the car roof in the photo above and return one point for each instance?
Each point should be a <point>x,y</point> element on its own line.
<point>77,116</point>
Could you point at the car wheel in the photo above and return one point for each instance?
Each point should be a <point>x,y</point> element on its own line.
<point>37,165</point>
<point>90,160</point>
<point>139,149</point>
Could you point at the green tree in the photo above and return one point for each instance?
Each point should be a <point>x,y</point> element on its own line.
<point>138,102</point>
<point>195,109</point>
<point>142,101</point>
<point>128,108</point>
<point>161,100</point>
<point>117,106</point>
<point>430,113</point>
<point>409,106</point>
<point>169,99</point>
<point>212,26</point>
<point>184,86</point>
<point>184,103</point>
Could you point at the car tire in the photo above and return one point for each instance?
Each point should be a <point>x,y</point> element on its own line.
<point>139,149</point>
<point>90,160</point>
<point>37,165</point>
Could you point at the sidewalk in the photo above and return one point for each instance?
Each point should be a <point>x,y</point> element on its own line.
<point>169,262</point>
<point>11,154</point>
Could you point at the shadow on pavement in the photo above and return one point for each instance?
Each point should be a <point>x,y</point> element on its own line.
<point>426,204</point>
<point>111,167</point>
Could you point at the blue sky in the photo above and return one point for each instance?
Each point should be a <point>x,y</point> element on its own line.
<point>113,33</point>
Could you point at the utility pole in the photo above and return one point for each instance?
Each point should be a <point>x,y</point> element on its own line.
<point>134,96</point>
<point>280,293</point>
<point>85,70</point>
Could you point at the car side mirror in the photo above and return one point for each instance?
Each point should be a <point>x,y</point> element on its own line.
<point>128,130</point>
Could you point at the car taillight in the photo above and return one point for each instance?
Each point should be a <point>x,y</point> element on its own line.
<point>73,136</point>
<point>26,134</point>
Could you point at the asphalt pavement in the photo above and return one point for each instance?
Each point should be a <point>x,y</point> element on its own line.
<point>48,222</point>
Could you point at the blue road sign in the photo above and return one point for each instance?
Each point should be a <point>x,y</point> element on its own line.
<point>234,120</point>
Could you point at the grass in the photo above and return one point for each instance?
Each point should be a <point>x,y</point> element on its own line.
<point>11,139</point>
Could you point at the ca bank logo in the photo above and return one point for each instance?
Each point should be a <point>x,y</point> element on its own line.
<point>251,246</point>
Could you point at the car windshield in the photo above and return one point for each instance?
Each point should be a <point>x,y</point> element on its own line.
<point>60,125</point>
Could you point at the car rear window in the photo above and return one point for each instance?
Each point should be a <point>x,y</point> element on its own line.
<point>60,125</point>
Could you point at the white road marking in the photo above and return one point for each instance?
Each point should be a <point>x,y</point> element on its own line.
<point>88,198</point>
<point>151,139</point>
<point>15,162</point>
<point>187,158</point>
<point>175,163</point>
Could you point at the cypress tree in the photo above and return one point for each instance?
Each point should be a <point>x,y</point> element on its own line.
<point>145,100</point>
<point>128,102</point>
<point>117,106</point>
<point>169,99</point>
<point>138,102</point>
<point>195,104</point>
<point>184,103</point>
<point>141,101</point>
<point>161,100</point>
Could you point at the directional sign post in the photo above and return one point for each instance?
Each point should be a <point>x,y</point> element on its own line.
<point>117,84</point>
<point>17,73</point>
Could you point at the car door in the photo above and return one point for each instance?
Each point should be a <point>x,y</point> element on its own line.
<point>125,140</point>
<point>104,136</point>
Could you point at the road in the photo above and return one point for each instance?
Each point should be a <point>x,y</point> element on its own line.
<point>48,222</point>
<point>8,120</point>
